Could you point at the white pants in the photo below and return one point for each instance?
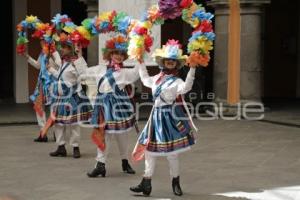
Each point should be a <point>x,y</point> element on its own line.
<point>41,119</point>
<point>150,165</point>
<point>60,133</point>
<point>122,140</point>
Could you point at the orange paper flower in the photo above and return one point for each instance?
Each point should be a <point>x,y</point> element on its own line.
<point>196,59</point>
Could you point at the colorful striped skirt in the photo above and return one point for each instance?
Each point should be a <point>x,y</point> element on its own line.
<point>74,109</point>
<point>117,111</point>
<point>169,130</point>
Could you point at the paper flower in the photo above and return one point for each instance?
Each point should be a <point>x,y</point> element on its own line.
<point>153,15</point>
<point>196,59</point>
<point>197,34</point>
<point>104,23</point>
<point>22,40</point>
<point>40,30</point>
<point>148,41</point>
<point>202,44</point>
<point>140,30</point>
<point>31,19</point>
<point>77,38</point>
<point>60,21</point>
<point>48,48</point>
<point>205,26</point>
<point>119,42</point>
<point>186,3</point>
<point>170,9</point>
<point>187,15</point>
<point>58,18</point>
<point>202,15</point>
<point>21,49</point>
<point>69,27</point>
<point>84,32</point>
<point>121,22</point>
<point>87,23</point>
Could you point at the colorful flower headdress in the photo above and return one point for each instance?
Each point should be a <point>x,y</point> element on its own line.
<point>118,43</point>
<point>171,50</point>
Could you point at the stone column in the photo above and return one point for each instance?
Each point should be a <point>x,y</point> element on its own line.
<point>20,63</point>
<point>251,49</point>
<point>92,50</point>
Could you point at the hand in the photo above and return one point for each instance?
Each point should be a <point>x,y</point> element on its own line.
<point>26,55</point>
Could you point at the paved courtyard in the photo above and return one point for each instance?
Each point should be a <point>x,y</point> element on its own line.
<point>231,158</point>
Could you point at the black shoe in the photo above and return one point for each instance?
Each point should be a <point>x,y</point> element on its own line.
<point>126,167</point>
<point>144,187</point>
<point>98,170</point>
<point>76,152</point>
<point>41,139</point>
<point>61,151</point>
<point>176,186</point>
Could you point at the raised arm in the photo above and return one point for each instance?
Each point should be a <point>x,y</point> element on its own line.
<point>187,85</point>
<point>35,63</point>
<point>147,80</point>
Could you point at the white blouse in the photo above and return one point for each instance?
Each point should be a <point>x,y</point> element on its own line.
<point>168,94</point>
<point>123,77</point>
<point>70,75</point>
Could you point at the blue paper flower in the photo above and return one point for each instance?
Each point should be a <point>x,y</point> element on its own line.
<point>202,15</point>
<point>144,17</point>
<point>210,36</point>
<point>121,46</point>
<point>104,25</point>
<point>24,23</point>
<point>123,25</point>
<point>48,39</point>
<point>172,52</point>
<point>58,18</point>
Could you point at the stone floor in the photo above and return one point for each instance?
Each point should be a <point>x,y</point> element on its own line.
<point>231,159</point>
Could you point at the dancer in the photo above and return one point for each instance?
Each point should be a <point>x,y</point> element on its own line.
<point>168,131</point>
<point>41,96</point>
<point>113,111</point>
<point>71,106</point>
